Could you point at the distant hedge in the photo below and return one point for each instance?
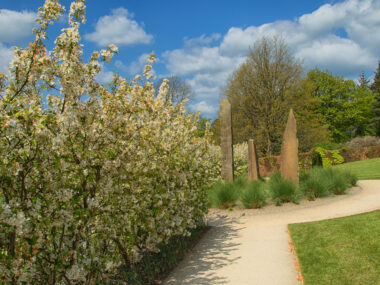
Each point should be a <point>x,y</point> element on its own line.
<point>321,157</point>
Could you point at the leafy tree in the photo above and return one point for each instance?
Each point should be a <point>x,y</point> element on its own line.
<point>345,106</point>
<point>215,130</point>
<point>202,125</point>
<point>310,124</point>
<point>179,90</point>
<point>261,92</point>
<point>257,93</point>
<point>375,87</point>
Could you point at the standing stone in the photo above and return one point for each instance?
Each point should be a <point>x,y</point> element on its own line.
<point>253,162</point>
<point>289,151</point>
<point>226,141</point>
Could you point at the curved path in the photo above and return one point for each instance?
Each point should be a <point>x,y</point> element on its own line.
<point>251,246</point>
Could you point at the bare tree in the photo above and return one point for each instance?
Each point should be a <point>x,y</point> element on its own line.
<point>178,89</point>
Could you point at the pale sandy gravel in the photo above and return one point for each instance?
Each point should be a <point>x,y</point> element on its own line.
<point>251,246</point>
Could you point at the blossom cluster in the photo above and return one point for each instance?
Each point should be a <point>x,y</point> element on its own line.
<point>91,177</point>
<point>240,160</point>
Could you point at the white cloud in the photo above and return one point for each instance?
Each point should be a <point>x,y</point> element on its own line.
<point>204,107</point>
<point>105,76</point>
<point>135,67</point>
<point>196,60</point>
<point>339,55</point>
<point>119,28</point>
<point>342,37</point>
<point>15,26</point>
<point>5,57</point>
<point>208,85</point>
<point>202,40</point>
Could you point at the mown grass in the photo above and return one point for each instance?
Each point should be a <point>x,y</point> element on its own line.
<point>339,251</point>
<point>364,169</point>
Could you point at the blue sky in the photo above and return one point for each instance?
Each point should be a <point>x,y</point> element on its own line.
<point>203,42</point>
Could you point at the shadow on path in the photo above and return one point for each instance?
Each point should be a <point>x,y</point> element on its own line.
<point>211,253</point>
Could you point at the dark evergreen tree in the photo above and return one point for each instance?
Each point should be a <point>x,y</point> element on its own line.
<point>363,81</point>
<point>375,87</point>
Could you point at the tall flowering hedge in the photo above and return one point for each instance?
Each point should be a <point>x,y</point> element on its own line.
<point>91,177</point>
<point>240,160</point>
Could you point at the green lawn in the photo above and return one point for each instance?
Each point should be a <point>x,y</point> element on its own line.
<point>339,251</point>
<point>364,169</point>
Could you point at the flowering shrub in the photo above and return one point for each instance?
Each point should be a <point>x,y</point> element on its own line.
<point>240,160</point>
<point>91,177</point>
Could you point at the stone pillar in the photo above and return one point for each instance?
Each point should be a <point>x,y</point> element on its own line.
<point>253,162</point>
<point>226,141</point>
<point>289,151</point>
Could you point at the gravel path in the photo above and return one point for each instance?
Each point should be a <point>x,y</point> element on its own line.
<point>251,246</point>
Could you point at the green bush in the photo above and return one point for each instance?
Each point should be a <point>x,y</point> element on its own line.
<point>241,181</point>
<point>319,182</point>
<point>282,190</point>
<point>336,181</point>
<point>312,184</point>
<point>224,195</point>
<point>254,195</point>
<point>328,157</point>
<point>351,178</point>
<point>329,145</point>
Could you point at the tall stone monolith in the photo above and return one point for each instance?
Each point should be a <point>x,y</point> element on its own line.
<point>289,151</point>
<point>253,162</point>
<point>226,141</point>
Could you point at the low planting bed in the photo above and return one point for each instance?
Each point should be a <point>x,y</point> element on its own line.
<point>339,251</point>
<point>316,183</point>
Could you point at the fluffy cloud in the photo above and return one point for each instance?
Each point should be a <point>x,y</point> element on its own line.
<point>208,84</point>
<point>15,26</point>
<point>202,40</point>
<point>136,66</point>
<point>5,58</point>
<point>341,37</point>
<point>339,55</point>
<point>316,37</point>
<point>205,108</point>
<point>197,60</point>
<point>118,28</point>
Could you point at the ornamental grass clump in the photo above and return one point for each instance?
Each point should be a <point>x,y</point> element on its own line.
<point>254,195</point>
<point>351,178</point>
<point>224,195</point>
<point>91,176</point>
<point>313,184</point>
<point>282,190</point>
<point>336,181</point>
<point>320,182</point>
